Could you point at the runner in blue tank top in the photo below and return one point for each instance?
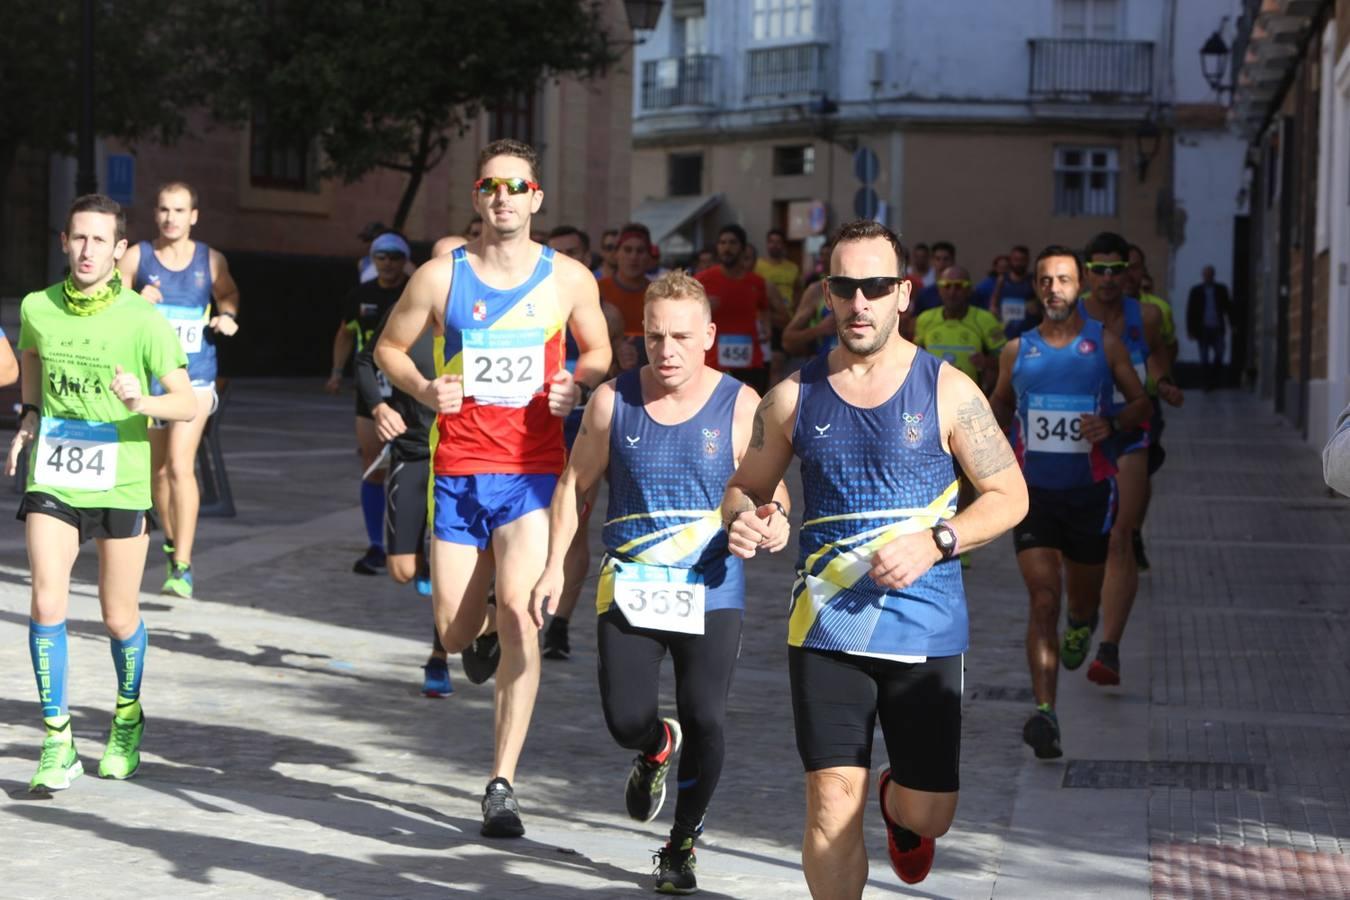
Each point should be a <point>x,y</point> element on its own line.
<point>878,623</point>
<point>186,279</point>
<point>667,436</point>
<point>1055,392</point>
<point>1140,329</point>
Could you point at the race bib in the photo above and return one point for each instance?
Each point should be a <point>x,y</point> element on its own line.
<point>503,368</point>
<point>735,351</point>
<point>72,453</point>
<point>1012,310</point>
<point>189,322</point>
<point>662,598</point>
<point>1055,424</point>
<point>1140,369</point>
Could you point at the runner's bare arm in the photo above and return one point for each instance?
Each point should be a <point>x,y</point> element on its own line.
<point>415,312</point>
<point>226,295</point>
<point>799,333</point>
<point>447,245</point>
<point>979,446</point>
<point>586,465</point>
<point>9,366</point>
<point>747,501</point>
<point>178,403</point>
<point>1137,407</point>
<point>30,393</point>
<point>742,426</point>
<point>587,322</point>
<point>1003,401</point>
<point>1159,359</point>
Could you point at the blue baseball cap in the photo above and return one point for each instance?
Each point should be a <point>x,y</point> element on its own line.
<point>389,243</point>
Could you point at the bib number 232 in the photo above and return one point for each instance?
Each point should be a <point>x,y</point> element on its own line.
<point>503,366</point>
<point>659,597</point>
<point>75,454</point>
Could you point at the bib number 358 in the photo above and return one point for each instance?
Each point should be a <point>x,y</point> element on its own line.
<point>75,454</point>
<point>659,597</point>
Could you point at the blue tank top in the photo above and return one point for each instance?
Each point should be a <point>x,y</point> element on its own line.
<point>868,476</point>
<point>665,490</point>
<point>1135,340</point>
<point>1054,387</point>
<point>186,304</point>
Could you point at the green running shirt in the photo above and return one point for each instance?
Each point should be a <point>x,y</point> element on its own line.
<point>92,452</point>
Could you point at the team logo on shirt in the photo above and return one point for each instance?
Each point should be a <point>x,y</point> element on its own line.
<point>480,311</point>
<point>913,428</point>
<point>529,309</point>
<point>710,436</point>
<point>200,276</point>
<point>822,430</point>
<point>1086,347</point>
<point>1033,351</point>
<point>632,441</point>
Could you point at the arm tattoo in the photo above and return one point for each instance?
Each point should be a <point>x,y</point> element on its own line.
<point>757,428</point>
<point>988,448</point>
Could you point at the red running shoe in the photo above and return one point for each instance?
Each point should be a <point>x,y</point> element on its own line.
<point>911,865</point>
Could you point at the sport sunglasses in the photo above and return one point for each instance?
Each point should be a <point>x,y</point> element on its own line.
<point>513,185</point>
<point>953,282</point>
<point>1106,268</point>
<point>872,288</point>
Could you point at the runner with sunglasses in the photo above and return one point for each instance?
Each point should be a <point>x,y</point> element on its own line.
<point>1139,328</point>
<point>186,279</point>
<point>960,333</point>
<point>878,622</point>
<point>502,303</point>
<point>1054,390</point>
<point>362,310</point>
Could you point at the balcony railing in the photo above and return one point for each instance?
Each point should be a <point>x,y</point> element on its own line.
<point>1116,70</point>
<point>679,81</point>
<point>796,69</point>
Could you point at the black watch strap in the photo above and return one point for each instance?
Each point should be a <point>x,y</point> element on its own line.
<point>586,391</point>
<point>27,408</point>
<point>945,539</point>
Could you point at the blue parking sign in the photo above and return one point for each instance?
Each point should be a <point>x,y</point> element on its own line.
<point>121,181</point>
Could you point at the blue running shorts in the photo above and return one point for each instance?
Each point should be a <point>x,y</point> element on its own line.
<point>470,507</point>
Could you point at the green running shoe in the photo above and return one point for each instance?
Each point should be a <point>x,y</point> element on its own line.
<point>122,757</point>
<point>59,764</point>
<point>179,582</point>
<point>675,868</point>
<point>168,549</point>
<point>1074,648</point>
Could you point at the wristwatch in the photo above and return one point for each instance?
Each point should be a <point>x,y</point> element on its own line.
<point>945,538</point>
<point>584,392</point>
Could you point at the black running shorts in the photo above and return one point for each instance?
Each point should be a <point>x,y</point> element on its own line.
<point>94,522</point>
<point>405,504</point>
<point>1076,522</point>
<point>837,699</point>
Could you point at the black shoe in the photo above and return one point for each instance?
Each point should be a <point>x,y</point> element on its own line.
<point>645,791</point>
<point>501,813</point>
<point>480,658</point>
<point>675,868</point>
<point>1140,558</point>
<point>1041,734</point>
<point>556,644</point>
<point>372,563</point>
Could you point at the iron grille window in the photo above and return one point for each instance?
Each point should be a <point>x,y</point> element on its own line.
<point>513,117</point>
<point>1086,180</point>
<point>799,160</point>
<point>278,157</point>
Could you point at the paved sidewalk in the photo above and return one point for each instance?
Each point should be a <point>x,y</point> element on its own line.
<point>289,754</point>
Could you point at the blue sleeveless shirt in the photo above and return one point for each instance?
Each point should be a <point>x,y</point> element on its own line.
<point>665,491</point>
<point>868,476</point>
<point>1135,340</point>
<point>186,304</point>
<point>1054,387</point>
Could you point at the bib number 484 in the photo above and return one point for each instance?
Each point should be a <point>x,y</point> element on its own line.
<point>75,454</point>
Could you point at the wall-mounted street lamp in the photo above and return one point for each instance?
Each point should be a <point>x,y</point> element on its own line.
<point>1147,143</point>
<point>642,14</point>
<point>1214,61</point>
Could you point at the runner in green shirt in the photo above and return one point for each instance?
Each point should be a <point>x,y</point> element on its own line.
<point>89,348</point>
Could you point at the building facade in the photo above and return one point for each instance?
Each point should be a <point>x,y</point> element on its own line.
<point>1292,106</point>
<point>978,123</point>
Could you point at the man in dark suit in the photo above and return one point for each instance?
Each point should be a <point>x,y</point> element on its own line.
<point>1208,310</point>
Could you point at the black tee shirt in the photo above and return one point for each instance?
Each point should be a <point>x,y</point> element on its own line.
<point>364,307</point>
<point>415,443</point>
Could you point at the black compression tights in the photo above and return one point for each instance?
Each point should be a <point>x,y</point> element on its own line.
<point>630,669</point>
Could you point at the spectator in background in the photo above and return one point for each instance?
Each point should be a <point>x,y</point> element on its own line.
<point>627,288</point>
<point>996,268</point>
<point>1208,311</point>
<point>609,245</point>
<point>821,268</point>
<point>740,302</point>
<point>365,266</point>
<point>920,267</point>
<point>942,258</point>
<point>785,277</point>
<point>707,258</point>
<point>570,241</point>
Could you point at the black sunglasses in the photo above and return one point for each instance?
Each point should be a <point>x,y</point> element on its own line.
<point>872,288</point>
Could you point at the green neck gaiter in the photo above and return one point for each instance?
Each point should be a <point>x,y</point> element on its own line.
<point>88,304</point>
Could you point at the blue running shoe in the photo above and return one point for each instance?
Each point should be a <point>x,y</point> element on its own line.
<point>423,585</point>
<point>436,681</point>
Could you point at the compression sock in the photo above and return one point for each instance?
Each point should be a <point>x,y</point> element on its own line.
<point>51,666</point>
<point>372,508</point>
<point>129,660</point>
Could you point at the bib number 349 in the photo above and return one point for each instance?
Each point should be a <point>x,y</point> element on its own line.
<point>75,454</point>
<point>1056,422</point>
<point>659,597</point>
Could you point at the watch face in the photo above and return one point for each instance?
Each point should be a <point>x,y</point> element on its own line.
<point>945,538</point>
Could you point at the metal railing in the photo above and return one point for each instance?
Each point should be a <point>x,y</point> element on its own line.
<point>1062,67</point>
<point>795,69</point>
<point>679,81</point>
